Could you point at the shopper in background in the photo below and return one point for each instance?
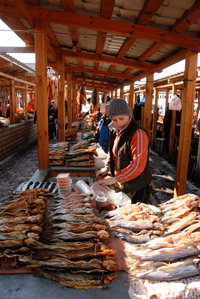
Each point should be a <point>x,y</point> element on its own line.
<point>102,135</point>
<point>128,159</point>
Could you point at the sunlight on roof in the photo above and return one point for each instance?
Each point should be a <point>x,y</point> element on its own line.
<point>8,38</point>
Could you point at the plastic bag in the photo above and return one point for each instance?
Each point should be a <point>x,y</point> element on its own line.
<point>175,103</point>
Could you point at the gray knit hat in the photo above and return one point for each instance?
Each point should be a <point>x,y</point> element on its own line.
<point>119,107</point>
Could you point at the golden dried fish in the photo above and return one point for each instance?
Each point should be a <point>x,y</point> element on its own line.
<point>137,225</point>
<point>173,271</point>
<point>182,223</point>
<point>78,218</point>
<point>65,246</point>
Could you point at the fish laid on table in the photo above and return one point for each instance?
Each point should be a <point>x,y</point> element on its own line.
<point>66,235</point>
<point>173,271</point>
<point>182,223</point>
<point>66,246</point>
<point>136,238</point>
<point>82,226</point>
<point>21,219</point>
<point>137,225</point>
<point>78,211</point>
<point>178,201</point>
<point>78,218</point>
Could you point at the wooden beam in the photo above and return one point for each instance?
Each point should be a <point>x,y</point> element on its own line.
<point>25,95</point>
<point>131,96</point>
<point>61,99</point>
<point>186,123</point>
<point>114,27</point>
<point>69,99</point>
<point>155,116</point>
<point>107,74</point>
<point>15,24</point>
<point>41,94</point>
<point>107,59</point>
<point>172,129</point>
<point>149,9</point>
<point>21,6</point>
<point>148,104</point>
<point>74,109</point>
<point>12,102</point>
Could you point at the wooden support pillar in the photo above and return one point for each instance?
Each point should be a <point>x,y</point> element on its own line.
<point>115,93</point>
<point>73,100</point>
<point>61,99</point>
<point>3,106</point>
<point>69,98</point>
<point>112,95</point>
<point>155,117</point>
<point>172,129</point>
<point>25,95</point>
<point>121,92</point>
<point>148,104</point>
<point>131,96</point>
<point>186,123</point>
<point>12,102</point>
<point>41,94</point>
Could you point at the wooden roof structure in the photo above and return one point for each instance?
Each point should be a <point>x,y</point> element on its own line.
<point>107,44</point>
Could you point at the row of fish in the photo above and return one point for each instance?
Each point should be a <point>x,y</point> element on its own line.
<point>73,252</point>
<point>169,251</point>
<point>21,219</point>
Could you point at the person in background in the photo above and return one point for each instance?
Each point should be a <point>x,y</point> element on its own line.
<point>52,121</point>
<point>7,110</point>
<point>128,158</point>
<point>102,135</point>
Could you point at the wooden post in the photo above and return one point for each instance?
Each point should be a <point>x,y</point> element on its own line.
<point>131,96</point>
<point>12,102</point>
<point>73,100</point>
<point>61,99</point>
<point>115,93</point>
<point>3,106</point>
<point>112,95</point>
<point>41,94</point>
<point>148,104</point>
<point>172,130</point>
<point>69,99</point>
<point>25,95</point>
<point>186,123</point>
<point>155,116</point>
<point>122,92</point>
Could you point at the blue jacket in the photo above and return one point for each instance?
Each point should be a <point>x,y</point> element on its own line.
<point>104,133</point>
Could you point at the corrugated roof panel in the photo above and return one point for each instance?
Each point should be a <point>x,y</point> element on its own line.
<point>88,39</point>
<point>163,20</point>
<point>162,53</point>
<point>138,48</point>
<point>89,5</point>
<point>104,66</point>
<point>120,69</point>
<point>186,4</point>
<point>72,61</point>
<point>130,4</point>
<point>62,34</point>
<point>134,72</point>
<point>88,63</point>
<point>51,4</point>
<point>113,44</point>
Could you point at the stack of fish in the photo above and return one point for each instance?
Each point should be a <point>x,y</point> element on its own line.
<point>57,153</point>
<point>174,255</point>
<point>135,223</point>
<point>81,156</point>
<point>20,226</point>
<point>71,134</point>
<point>74,253</point>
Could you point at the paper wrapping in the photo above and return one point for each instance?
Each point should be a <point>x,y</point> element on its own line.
<point>82,187</point>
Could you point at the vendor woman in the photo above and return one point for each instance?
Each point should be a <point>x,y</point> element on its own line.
<point>128,157</point>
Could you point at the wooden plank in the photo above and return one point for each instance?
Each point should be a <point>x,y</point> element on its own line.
<point>131,96</point>
<point>26,11</point>
<point>172,130</point>
<point>12,102</point>
<point>61,99</point>
<point>73,100</point>
<point>186,123</point>
<point>155,116</point>
<point>121,92</point>
<point>26,102</point>
<point>148,103</point>
<point>69,99</point>
<point>41,94</point>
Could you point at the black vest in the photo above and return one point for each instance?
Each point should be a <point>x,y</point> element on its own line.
<point>124,157</point>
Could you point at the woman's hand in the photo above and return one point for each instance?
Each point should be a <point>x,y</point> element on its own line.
<point>102,171</point>
<point>107,182</point>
